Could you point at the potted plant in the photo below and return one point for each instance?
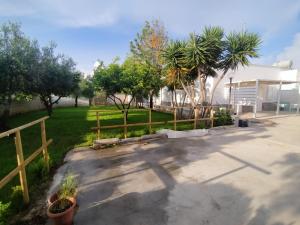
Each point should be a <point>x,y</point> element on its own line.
<point>61,211</point>
<point>68,182</point>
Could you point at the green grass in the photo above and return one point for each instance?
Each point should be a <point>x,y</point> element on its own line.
<point>69,128</point>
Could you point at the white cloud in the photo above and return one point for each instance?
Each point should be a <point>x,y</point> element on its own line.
<point>268,17</point>
<point>180,17</point>
<point>292,52</point>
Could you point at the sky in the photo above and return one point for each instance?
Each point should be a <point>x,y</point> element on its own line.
<point>91,30</point>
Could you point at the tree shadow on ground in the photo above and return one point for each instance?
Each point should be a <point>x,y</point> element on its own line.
<point>102,175</point>
<point>187,204</point>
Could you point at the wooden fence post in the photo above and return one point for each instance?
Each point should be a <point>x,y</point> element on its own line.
<point>22,171</point>
<point>44,144</point>
<point>150,121</point>
<point>98,125</point>
<point>212,118</point>
<point>195,117</point>
<point>175,112</point>
<point>125,125</point>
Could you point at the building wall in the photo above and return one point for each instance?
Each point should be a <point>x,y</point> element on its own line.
<point>35,104</point>
<point>252,72</point>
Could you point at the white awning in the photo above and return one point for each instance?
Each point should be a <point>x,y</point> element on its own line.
<point>252,83</point>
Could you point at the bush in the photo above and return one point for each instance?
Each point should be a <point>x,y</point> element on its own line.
<point>38,169</point>
<point>17,202</point>
<point>15,205</point>
<point>222,117</point>
<point>4,212</point>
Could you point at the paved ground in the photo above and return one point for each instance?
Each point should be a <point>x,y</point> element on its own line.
<point>230,177</point>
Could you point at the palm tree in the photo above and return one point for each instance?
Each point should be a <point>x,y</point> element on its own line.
<point>173,56</point>
<point>238,48</point>
<point>177,75</point>
<point>203,54</point>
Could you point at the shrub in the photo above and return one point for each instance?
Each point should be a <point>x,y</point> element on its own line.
<point>222,117</point>
<point>4,212</point>
<point>17,202</point>
<point>38,169</point>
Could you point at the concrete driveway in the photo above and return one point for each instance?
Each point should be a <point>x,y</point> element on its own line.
<point>234,176</point>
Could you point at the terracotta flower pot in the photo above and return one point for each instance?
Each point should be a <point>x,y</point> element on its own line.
<point>65,217</point>
<point>54,197</point>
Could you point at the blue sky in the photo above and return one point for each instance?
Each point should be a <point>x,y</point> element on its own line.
<point>95,29</point>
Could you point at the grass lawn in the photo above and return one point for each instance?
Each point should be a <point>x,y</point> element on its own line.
<point>69,128</point>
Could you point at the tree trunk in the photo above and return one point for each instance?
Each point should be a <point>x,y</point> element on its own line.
<point>172,100</point>
<point>47,101</point>
<point>182,105</point>
<point>49,109</point>
<point>3,121</point>
<point>5,116</point>
<point>175,98</point>
<point>203,90</point>
<point>76,101</point>
<point>90,101</point>
<point>216,85</point>
<point>151,101</point>
<point>188,93</point>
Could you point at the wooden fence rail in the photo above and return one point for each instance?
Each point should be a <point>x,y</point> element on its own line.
<point>125,125</point>
<point>22,163</point>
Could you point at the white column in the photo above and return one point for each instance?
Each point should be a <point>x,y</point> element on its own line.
<point>298,102</point>
<point>161,93</point>
<point>278,99</point>
<point>256,97</point>
<point>238,96</point>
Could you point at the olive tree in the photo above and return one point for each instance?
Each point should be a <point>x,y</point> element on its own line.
<point>87,88</point>
<point>127,79</point>
<point>18,60</point>
<point>54,77</point>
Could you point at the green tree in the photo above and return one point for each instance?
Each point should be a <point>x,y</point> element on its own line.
<point>206,53</point>
<point>173,56</point>
<point>137,74</point>
<point>76,89</point>
<point>87,88</point>
<point>147,48</point>
<point>54,77</point>
<point>126,79</point>
<point>18,57</point>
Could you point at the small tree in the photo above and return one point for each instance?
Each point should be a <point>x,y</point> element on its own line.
<point>76,89</point>
<point>147,48</point>
<point>87,88</point>
<point>54,77</point>
<point>18,57</point>
<point>127,79</point>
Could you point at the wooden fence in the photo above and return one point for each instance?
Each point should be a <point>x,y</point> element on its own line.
<point>125,125</point>
<point>22,163</point>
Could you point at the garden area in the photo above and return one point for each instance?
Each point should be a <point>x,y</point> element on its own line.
<point>69,128</point>
<point>33,72</point>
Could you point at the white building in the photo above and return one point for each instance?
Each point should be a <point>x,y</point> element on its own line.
<point>255,88</point>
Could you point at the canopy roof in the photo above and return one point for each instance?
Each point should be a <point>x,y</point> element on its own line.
<point>252,83</point>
